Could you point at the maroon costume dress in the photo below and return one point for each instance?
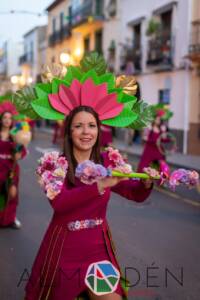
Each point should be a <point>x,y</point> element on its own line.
<point>64,256</point>
<point>106,135</point>
<point>151,151</point>
<point>7,165</point>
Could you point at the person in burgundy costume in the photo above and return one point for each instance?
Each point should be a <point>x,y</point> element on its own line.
<point>106,136</point>
<point>8,166</point>
<point>151,153</point>
<point>64,256</point>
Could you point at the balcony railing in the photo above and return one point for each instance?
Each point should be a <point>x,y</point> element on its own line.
<point>54,38</point>
<point>60,35</point>
<point>194,47</point>
<point>160,50</point>
<point>65,32</point>
<point>89,8</point>
<point>26,58</point>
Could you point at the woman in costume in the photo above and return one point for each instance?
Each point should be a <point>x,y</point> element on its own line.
<point>78,234</point>
<point>9,168</point>
<point>152,154</point>
<point>106,136</point>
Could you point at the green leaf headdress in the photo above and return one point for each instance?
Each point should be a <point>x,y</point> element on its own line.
<point>162,110</point>
<point>87,85</point>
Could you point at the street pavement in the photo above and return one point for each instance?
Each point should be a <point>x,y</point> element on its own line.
<point>158,241</point>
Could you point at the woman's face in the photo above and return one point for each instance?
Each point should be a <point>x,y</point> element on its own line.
<point>157,121</point>
<point>84,131</point>
<point>7,120</point>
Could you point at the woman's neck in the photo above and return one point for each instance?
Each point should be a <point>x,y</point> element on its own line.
<point>5,133</point>
<point>81,156</point>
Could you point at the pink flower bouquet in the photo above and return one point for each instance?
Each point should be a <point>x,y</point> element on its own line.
<point>88,172</point>
<point>52,171</point>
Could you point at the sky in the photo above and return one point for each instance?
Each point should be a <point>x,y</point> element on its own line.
<point>14,26</point>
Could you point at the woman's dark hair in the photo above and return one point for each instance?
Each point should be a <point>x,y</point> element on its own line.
<point>1,125</point>
<point>68,144</point>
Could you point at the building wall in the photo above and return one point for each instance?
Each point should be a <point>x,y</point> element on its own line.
<point>194,113</point>
<point>53,53</point>
<point>42,48</point>
<point>177,80</point>
<point>76,40</point>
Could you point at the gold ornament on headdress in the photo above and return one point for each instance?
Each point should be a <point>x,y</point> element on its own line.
<point>127,83</point>
<point>51,71</point>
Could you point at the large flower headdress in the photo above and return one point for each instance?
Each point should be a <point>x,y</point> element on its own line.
<point>7,106</point>
<point>86,85</point>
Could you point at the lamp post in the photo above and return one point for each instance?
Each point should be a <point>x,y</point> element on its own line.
<point>65,58</point>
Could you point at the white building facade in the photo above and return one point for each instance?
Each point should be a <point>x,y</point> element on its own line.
<point>9,63</point>
<point>35,44</point>
<point>158,61</point>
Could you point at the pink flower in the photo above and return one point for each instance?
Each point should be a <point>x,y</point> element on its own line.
<point>124,168</point>
<point>52,171</point>
<point>115,157</point>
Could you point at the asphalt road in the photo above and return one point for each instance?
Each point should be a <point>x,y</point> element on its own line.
<point>158,242</point>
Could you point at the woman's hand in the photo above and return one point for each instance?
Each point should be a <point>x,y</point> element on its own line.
<point>17,156</point>
<point>152,173</point>
<point>104,183</point>
<point>12,191</point>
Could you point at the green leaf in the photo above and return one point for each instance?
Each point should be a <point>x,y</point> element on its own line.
<point>19,117</point>
<point>56,83</point>
<point>93,61</point>
<point>126,117</point>
<point>128,98</point>
<point>115,90</point>
<point>43,89</point>
<point>145,115</point>
<point>90,74</point>
<point>45,110</point>
<point>109,78</point>
<point>168,114</point>
<point>72,73</point>
<point>22,99</point>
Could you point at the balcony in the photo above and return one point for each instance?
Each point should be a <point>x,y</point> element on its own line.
<point>26,59</point>
<point>160,51</point>
<point>89,8</point>
<point>54,38</point>
<point>65,32</point>
<point>60,35</point>
<point>194,47</point>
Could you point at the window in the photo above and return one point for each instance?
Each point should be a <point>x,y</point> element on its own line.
<point>31,57</point>
<point>61,20</point>
<point>54,25</point>
<point>164,96</point>
<point>86,44</point>
<point>98,41</point>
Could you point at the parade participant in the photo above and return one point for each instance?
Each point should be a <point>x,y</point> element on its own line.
<point>106,136</point>
<point>152,154</point>
<point>57,132</point>
<point>78,234</point>
<point>9,168</point>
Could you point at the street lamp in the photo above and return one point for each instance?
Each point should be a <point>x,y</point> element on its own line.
<point>77,52</point>
<point>64,58</point>
<point>14,79</point>
<point>30,80</point>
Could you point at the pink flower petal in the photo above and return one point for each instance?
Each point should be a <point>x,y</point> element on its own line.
<point>57,104</point>
<point>67,97</point>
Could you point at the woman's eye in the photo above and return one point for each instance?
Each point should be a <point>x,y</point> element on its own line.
<point>92,125</point>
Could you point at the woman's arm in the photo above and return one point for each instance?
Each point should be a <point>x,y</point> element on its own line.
<point>133,190</point>
<point>72,198</point>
